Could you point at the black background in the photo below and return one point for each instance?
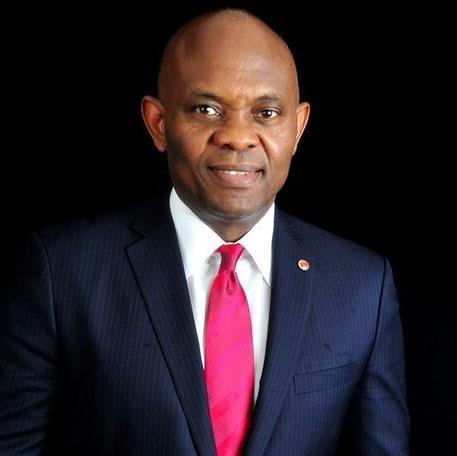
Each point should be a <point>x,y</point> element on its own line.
<point>372,166</point>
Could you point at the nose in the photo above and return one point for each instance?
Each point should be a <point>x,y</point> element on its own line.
<point>235,134</point>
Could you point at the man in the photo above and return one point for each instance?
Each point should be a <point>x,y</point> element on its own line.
<point>118,336</point>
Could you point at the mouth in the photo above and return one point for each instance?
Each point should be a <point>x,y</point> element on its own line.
<point>236,175</point>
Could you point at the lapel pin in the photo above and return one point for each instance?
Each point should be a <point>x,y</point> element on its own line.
<point>303,265</point>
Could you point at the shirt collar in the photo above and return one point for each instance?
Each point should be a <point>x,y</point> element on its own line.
<point>197,241</point>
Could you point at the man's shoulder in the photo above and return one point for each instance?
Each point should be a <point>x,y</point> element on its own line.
<point>110,226</point>
<point>325,242</point>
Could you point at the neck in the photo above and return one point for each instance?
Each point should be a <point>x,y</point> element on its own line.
<point>232,229</point>
<point>230,232</point>
<point>229,227</point>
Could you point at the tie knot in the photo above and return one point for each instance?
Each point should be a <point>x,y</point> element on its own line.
<point>230,254</point>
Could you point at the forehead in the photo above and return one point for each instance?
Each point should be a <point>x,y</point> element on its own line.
<point>238,59</point>
<point>232,80</point>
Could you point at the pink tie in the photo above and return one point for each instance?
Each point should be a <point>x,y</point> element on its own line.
<point>229,358</point>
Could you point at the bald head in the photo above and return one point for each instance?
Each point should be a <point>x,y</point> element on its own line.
<point>229,35</point>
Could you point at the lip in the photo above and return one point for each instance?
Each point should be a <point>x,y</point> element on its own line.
<point>236,175</point>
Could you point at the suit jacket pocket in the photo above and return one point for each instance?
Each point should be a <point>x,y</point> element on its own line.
<point>320,380</point>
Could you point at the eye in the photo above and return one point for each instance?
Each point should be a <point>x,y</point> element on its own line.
<point>267,114</point>
<point>206,110</point>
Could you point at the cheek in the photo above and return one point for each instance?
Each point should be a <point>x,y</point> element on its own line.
<point>281,171</point>
<point>184,148</point>
<point>280,152</point>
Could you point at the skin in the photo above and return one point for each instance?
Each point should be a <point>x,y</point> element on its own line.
<point>228,117</point>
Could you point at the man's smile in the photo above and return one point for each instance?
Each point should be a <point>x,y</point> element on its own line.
<point>236,175</point>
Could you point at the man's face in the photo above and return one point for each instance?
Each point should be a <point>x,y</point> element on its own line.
<point>230,125</point>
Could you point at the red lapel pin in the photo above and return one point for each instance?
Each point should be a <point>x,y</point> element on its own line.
<point>303,265</point>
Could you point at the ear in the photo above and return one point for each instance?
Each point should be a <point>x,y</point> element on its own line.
<point>302,119</point>
<point>153,114</point>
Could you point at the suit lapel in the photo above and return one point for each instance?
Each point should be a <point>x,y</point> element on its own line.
<point>156,263</point>
<point>289,310</point>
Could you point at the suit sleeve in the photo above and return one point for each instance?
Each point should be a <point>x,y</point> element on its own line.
<point>378,413</point>
<point>28,354</point>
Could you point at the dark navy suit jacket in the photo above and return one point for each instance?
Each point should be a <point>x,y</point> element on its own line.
<point>99,352</point>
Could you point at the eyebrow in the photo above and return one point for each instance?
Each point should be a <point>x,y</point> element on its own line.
<point>272,97</point>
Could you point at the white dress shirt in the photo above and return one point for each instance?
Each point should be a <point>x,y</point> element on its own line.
<point>198,244</point>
